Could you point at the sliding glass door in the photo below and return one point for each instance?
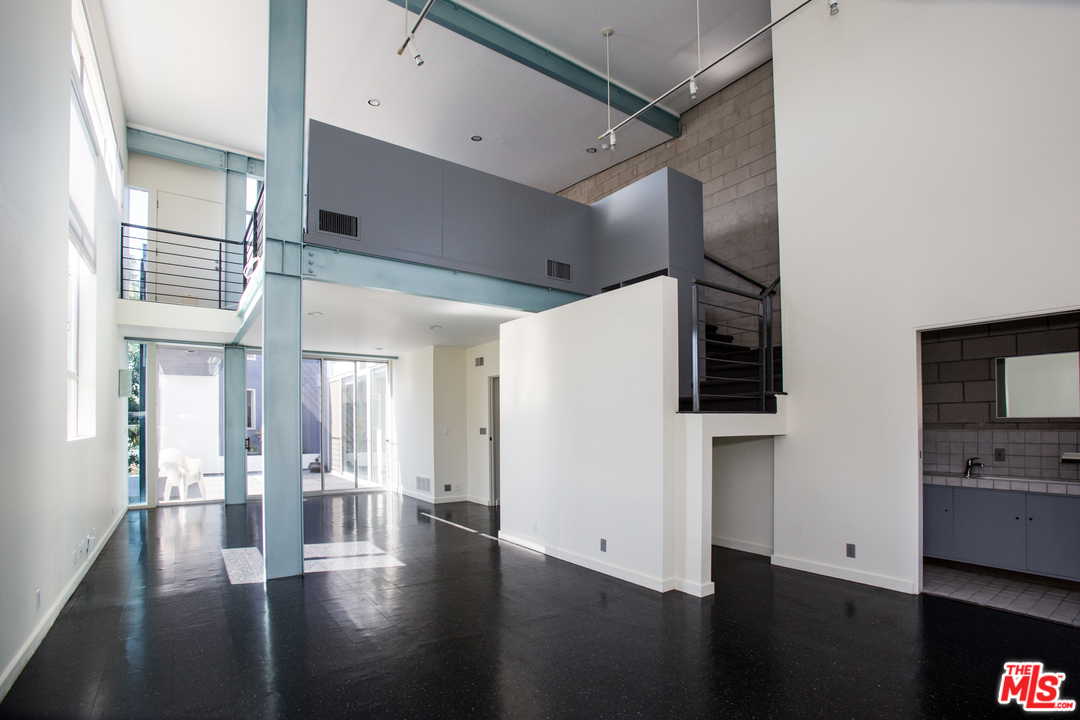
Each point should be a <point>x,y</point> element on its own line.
<point>344,425</point>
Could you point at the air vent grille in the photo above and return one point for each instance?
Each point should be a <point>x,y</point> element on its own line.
<point>423,484</point>
<point>479,362</point>
<point>558,270</point>
<point>338,223</point>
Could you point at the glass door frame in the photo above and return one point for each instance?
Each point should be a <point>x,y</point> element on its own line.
<point>368,409</point>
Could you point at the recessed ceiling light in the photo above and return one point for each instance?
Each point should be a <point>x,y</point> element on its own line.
<point>590,150</point>
<point>476,138</point>
<point>314,313</point>
<point>373,102</point>
<point>189,364</point>
<point>378,348</point>
<point>190,352</point>
<point>434,327</point>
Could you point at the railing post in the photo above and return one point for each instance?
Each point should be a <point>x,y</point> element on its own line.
<point>761,352</point>
<point>770,373</point>
<point>695,345</point>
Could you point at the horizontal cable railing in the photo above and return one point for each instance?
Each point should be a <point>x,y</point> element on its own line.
<point>735,357</point>
<point>169,266</point>
<point>255,237</point>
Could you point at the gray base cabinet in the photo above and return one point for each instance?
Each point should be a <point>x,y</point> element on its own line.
<point>1053,535</point>
<point>937,521</point>
<point>1029,532</point>
<point>989,527</point>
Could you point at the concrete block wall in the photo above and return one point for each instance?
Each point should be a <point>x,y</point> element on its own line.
<point>727,142</point>
<point>960,402</point>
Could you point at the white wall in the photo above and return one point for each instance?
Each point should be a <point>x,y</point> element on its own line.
<point>448,390</point>
<point>590,436</point>
<point>478,389</point>
<point>927,176</point>
<point>414,421</point>
<point>154,174</point>
<point>189,409</point>
<point>742,499</point>
<point>56,492</point>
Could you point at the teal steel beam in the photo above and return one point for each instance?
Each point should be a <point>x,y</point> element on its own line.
<point>283,517</point>
<point>189,153</point>
<point>345,268</point>
<point>235,425</point>
<point>506,41</point>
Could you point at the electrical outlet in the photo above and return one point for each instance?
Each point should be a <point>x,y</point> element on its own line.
<point>1000,455</point>
<point>446,431</point>
<point>37,600</point>
<point>603,545</point>
<point>74,557</point>
<point>851,550</point>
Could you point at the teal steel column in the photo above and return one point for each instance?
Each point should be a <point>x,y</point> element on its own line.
<point>235,205</point>
<point>235,425</point>
<point>283,518</point>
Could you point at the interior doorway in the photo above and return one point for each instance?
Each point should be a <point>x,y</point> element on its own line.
<point>493,440</point>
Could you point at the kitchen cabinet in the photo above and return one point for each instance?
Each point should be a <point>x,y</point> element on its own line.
<point>1053,535</point>
<point>937,521</point>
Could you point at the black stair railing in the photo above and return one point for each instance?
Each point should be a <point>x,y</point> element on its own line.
<point>736,357</point>
<point>169,266</point>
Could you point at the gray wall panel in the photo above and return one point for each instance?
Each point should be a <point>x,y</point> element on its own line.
<point>493,224</point>
<point>686,225</point>
<point>567,225</point>
<point>630,231</point>
<point>396,193</point>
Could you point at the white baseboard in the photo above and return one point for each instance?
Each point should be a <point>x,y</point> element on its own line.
<point>858,576</point>
<point>527,544</point>
<point>11,672</point>
<point>742,545</point>
<point>478,500</point>
<point>689,588</point>
<point>416,495</point>
<point>451,498</point>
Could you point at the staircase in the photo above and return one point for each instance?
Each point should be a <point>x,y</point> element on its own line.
<point>732,379</point>
<point>739,366</point>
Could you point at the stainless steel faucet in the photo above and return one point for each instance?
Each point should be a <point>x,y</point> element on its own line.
<point>972,463</point>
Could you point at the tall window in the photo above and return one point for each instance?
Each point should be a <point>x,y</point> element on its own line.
<point>87,141</point>
<point>86,78</point>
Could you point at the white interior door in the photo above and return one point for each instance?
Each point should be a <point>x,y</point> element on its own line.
<point>186,270</point>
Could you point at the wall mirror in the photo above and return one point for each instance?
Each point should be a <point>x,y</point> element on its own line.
<point>1039,386</point>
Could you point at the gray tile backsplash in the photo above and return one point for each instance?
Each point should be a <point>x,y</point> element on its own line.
<point>1032,454</point>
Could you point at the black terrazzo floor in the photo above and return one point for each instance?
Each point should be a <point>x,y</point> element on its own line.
<point>471,628</point>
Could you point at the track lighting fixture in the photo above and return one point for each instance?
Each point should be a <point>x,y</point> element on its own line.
<point>415,53</point>
<point>834,8</point>
<point>693,88</point>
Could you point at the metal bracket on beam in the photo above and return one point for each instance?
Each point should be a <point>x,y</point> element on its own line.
<point>189,153</point>
<point>345,268</point>
<point>506,41</point>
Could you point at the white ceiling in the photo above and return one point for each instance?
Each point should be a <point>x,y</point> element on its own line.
<point>365,321</point>
<point>197,69</point>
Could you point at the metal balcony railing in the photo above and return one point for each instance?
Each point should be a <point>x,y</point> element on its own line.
<point>255,237</point>
<point>168,266</point>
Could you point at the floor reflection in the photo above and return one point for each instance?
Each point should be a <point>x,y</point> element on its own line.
<point>470,627</point>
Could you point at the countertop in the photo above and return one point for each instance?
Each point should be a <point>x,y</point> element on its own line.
<point>1051,486</point>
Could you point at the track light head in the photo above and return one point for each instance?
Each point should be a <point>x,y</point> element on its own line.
<point>693,88</point>
<point>834,8</point>
<point>415,53</point>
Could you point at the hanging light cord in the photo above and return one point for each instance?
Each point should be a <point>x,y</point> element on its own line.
<point>714,63</point>
<point>698,38</point>
<point>607,44</point>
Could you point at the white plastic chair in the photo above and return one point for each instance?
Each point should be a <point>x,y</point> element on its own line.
<point>180,472</point>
